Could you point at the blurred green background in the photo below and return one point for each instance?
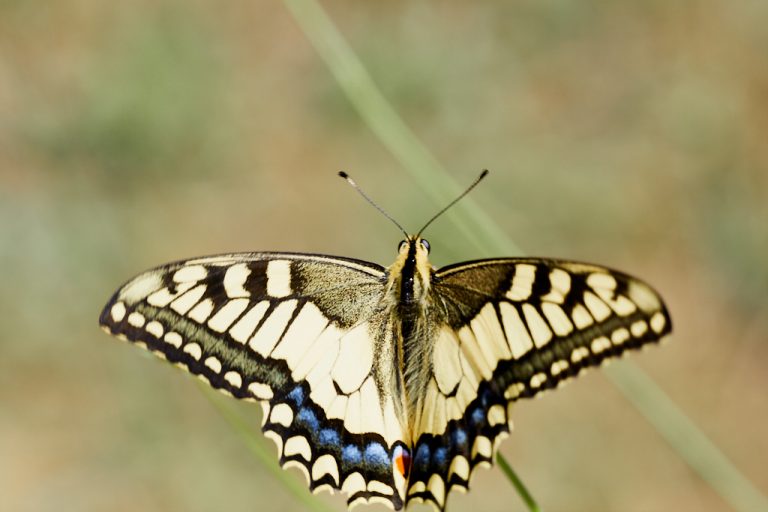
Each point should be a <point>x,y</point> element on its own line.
<point>631,134</point>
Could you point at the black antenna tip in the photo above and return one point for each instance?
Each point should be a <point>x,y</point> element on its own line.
<point>365,196</point>
<point>473,185</point>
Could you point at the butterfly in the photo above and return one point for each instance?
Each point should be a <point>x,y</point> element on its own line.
<point>391,384</point>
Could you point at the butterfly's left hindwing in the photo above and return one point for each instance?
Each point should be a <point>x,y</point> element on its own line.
<point>292,331</point>
<point>511,328</point>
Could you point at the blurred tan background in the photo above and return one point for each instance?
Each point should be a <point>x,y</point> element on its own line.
<point>631,134</point>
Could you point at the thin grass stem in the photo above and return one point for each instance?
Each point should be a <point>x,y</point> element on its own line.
<point>478,228</point>
<point>684,436</point>
<point>522,490</point>
<point>388,126</point>
<point>266,457</point>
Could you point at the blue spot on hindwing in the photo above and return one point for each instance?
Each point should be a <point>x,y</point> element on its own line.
<point>485,398</point>
<point>329,437</point>
<point>351,454</point>
<point>296,395</point>
<point>441,457</point>
<point>459,437</point>
<point>421,461</point>
<point>478,416</point>
<point>375,454</point>
<point>307,418</point>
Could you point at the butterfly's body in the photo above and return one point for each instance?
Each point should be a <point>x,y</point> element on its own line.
<point>393,384</point>
<point>412,313</point>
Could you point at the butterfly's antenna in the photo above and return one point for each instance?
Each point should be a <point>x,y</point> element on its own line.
<point>360,191</point>
<point>473,185</point>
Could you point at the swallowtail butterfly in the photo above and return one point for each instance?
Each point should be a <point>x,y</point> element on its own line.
<point>390,384</point>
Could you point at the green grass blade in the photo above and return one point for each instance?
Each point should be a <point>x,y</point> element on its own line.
<point>387,125</point>
<point>683,435</point>
<point>255,443</point>
<point>478,228</point>
<point>522,490</point>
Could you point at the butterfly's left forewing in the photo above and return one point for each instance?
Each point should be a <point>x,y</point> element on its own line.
<point>510,328</point>
<point>295,332</point>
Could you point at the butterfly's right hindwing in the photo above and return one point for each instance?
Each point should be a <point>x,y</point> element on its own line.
<point>292,331</point>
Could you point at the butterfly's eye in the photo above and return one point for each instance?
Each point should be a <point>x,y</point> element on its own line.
<point>402,245</point>
<point>425,244</point>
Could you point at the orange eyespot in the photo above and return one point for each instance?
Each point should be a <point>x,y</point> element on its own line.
<point>402,461</point>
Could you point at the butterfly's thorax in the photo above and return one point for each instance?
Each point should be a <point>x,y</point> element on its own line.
<point>409,299</point>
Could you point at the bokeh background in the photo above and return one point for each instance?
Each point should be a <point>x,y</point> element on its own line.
<point>631,134</point>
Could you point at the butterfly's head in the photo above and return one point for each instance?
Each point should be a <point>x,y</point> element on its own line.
<point>419,245</point>
<point>413,257</point>
<point>410,274</point>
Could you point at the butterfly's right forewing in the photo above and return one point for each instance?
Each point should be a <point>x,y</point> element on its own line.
<point>555,317</point>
